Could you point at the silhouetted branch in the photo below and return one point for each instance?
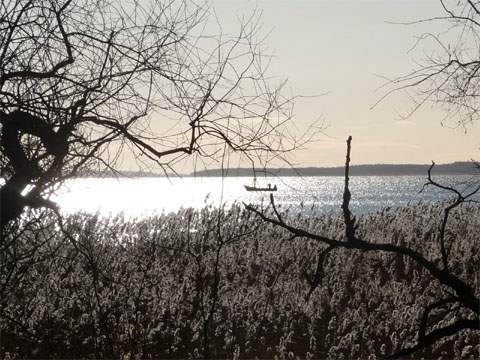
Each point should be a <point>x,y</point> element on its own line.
<point>464,294</point>
<point>426,312</point>
<point>316,280</point>
<point>437,335</point>
<point>347,215</point>
<point>459,199</point>
<point>80,92</point>
<point>448,77</point>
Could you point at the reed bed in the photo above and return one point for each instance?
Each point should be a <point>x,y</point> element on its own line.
<point>219,283</point>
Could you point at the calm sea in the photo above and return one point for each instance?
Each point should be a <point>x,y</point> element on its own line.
<point>148,196</point>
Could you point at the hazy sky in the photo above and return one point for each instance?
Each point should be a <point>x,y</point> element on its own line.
<point>341,48</point>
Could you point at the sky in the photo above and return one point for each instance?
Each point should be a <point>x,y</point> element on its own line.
<point>345,50</point>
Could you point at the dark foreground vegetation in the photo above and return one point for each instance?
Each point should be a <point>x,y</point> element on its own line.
<point>222,284</point>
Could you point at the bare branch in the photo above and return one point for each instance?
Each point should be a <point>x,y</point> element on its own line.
<point>347,215</point>
<point>464,295</point>
<point>154,84</point>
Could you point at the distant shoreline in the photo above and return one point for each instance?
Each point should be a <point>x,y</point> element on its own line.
<point>456,168</point>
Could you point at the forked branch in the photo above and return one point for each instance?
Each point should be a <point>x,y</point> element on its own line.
<point>459,198</point>
<point>464,294</point>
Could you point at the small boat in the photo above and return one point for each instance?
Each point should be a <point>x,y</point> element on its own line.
<point>254,188</point>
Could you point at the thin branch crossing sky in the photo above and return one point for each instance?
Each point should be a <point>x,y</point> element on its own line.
<point>347,49</point>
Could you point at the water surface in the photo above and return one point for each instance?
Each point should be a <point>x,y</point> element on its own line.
<point>148,196</point>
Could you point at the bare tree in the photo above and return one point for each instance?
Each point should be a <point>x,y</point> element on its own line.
<point>460,296</point>
<point>83,82</point>
<point>449,76</point>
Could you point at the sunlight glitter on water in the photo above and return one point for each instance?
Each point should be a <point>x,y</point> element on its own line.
<point>140,196</point>
<point>149,196</point>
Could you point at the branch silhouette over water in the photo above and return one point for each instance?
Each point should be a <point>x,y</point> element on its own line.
<point>461,295</point>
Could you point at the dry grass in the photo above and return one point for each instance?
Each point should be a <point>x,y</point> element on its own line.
<point>172,285</point>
